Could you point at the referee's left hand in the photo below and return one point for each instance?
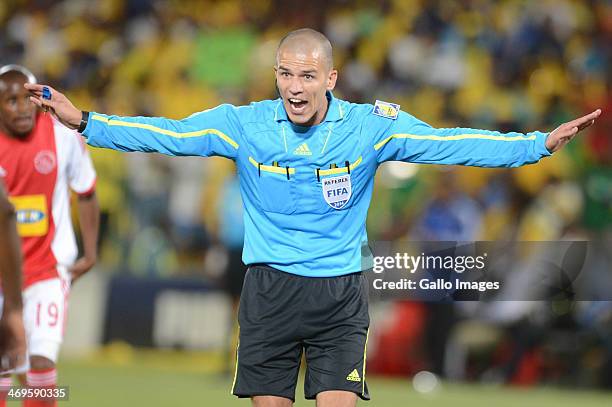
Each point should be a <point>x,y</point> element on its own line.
<point>59,105</point>
<point>566,132</point>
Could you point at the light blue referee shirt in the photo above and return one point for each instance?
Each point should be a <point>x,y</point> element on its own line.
<point>306,190</point>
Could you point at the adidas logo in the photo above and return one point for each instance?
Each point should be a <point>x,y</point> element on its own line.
<point>302,150</point>
<point>353,376</point>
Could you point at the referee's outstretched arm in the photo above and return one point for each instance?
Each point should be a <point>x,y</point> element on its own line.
<point>409,139</point>
<point>212,132</point>
<point>218,122</point>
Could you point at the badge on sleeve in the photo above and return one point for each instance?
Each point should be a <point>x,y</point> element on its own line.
<point>386,109</point>
<point>337,190</point>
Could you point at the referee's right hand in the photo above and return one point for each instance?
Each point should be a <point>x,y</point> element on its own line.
<point>57,104</point>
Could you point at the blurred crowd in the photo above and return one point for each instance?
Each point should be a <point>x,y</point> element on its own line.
<point>501,65</point>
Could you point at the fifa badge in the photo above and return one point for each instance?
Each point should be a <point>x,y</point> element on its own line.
<point>337,190</point>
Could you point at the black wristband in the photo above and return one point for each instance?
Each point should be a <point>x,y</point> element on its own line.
<point>84,118</point>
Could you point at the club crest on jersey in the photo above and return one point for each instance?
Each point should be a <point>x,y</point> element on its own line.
<point>337,190</point>
<point>386,109</point>
<point>44,162</point>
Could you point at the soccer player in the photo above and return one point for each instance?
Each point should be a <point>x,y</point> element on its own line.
<point>12,335</point>
<point>41,160</point>
<point>306,163</point>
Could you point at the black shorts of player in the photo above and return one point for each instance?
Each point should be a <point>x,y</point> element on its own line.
<point>283,316</point>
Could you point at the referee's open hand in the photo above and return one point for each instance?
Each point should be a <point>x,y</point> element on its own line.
<point>566,132</point>
<point>55,102</point>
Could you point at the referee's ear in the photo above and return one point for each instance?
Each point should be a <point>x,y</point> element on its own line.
<point>277,89</point>
<point>275,69</point>
<point>331,79</point>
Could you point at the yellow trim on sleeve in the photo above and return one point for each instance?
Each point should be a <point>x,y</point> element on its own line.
<point>453,138</point>
<point>166,132</point>
<point>340,170</point>
<point>271,168</point>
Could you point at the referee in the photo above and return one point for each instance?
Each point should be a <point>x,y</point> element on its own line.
<point>306,163</point>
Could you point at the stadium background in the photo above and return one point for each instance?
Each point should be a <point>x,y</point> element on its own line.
<point>152,323</point>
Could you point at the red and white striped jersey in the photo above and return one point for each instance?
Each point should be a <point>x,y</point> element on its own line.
<point>38,172</point>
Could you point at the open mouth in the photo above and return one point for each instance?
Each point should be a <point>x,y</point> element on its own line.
<point>23,121</point>
<point>297,105</point>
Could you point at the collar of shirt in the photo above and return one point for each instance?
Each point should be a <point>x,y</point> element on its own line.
<point>334,111</point>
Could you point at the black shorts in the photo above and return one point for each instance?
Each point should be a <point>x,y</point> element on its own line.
<point>283,315</point>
